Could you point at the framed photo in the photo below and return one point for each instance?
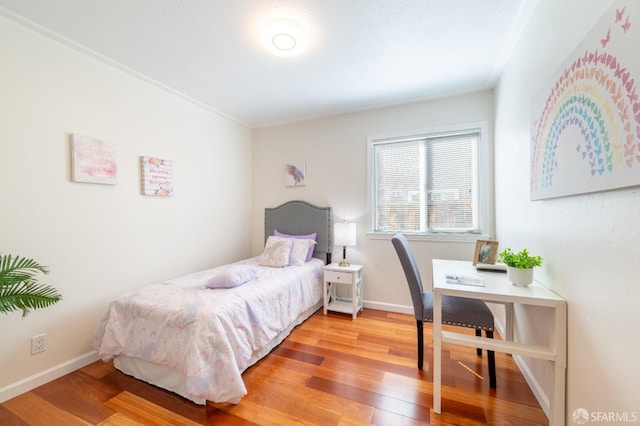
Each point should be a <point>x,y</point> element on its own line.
<point>486,252</point>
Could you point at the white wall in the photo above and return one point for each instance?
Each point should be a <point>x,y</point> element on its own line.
<point>100,240</point>
<point>590,243</point>
<point>335,152</point>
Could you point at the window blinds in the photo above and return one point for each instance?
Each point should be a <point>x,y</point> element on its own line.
<point>426,183</point>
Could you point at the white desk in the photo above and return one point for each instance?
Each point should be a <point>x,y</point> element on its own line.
<point>498,289</point>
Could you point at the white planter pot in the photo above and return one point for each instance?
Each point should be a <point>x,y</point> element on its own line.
<point>520,277</point>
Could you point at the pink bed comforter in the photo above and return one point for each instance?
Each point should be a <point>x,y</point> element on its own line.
<point>209,335</point>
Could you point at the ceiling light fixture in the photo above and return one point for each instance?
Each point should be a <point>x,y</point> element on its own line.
<point>283,37</point>
<point>284,41</point>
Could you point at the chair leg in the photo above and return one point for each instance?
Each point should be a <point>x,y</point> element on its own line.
<point>420,344</point>
<point>478,334</point>
<point>492,363</point>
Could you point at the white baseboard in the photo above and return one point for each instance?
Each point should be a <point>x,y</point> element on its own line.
<point>538,392</point>
<point>39,379</point>
<point>389,307</point>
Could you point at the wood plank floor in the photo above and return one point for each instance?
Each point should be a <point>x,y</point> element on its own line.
<point>329,371</point>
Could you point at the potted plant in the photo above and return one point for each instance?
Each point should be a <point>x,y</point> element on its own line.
<point>520,266</point>
<point>19,286</point>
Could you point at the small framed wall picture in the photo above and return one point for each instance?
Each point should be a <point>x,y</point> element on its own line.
<point>93,160</point>
<point>157,176</point>
<point>486,252</point>
<point>295,174</point>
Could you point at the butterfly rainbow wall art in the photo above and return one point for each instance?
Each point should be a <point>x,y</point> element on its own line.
<point>585,131</point>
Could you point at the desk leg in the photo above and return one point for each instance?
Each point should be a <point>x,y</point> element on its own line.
<point>508,314</point>
<point>558,402</point>
<point>437,351</point>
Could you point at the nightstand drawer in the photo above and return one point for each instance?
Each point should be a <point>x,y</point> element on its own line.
<point>338,277</point>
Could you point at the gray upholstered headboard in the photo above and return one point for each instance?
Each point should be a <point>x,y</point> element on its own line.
<point>301,218</point>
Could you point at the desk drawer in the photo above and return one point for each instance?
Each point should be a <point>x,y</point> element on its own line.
<point>338,277</point>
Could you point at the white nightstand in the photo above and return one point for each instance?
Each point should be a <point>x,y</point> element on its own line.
<point>336,276</point>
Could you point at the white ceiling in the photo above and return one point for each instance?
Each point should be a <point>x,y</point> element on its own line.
<point>362,53</point>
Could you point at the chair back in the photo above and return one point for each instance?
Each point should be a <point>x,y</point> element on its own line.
<point>411,272</point>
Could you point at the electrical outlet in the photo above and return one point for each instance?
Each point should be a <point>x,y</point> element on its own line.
<point>38,344</point>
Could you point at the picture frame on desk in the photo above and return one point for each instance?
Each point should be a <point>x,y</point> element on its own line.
<point>486,252</point>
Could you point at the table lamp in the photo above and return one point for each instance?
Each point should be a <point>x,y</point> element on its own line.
<point>344,235</point>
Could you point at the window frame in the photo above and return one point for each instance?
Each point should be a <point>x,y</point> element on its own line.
<point>484,193</point>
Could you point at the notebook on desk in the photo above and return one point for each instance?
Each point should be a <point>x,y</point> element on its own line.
<point>464,280</point>
<point>500,267</point>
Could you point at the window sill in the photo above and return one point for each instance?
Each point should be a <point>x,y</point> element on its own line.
<point>434,237</point>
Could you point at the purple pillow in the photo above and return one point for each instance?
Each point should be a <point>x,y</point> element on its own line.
<point>277,233</point>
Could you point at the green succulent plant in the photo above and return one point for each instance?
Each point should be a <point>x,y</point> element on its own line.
<point>520,260</point>
<point>19,286</point>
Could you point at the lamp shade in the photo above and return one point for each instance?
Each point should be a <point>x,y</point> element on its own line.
<point>344,234</point>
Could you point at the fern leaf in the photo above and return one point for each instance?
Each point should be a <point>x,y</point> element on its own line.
<point>19,289</point>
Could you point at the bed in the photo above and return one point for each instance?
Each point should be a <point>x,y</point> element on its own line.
<point>183,336</point>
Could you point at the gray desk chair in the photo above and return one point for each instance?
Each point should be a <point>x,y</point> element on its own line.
<point>457,311</point>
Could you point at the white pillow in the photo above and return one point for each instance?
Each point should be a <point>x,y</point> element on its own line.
<point>277,252</point>
<point>232,276</point>
<point>299,251</point>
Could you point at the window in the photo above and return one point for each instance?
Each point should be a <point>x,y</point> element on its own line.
<point>428,183</point>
